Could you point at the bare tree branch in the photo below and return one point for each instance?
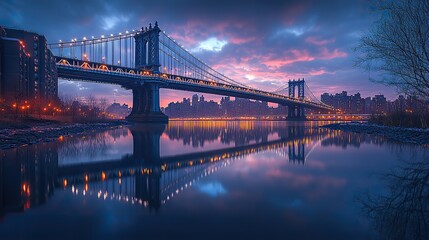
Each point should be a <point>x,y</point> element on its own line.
<point>398,45</point>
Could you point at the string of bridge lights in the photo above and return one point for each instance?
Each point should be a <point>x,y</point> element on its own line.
<point>214,167</point>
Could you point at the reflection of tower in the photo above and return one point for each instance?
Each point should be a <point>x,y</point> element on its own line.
<point>296,152</point>
<point>294,132</point>
<point>146,142</point>
<point>148,188</point>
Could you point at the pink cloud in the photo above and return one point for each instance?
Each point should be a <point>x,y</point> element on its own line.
<point>241,40</point>
<point>193,32</point>
<point>263,76</point>
<point>327,55</point>
<point>291,56</point>
<point>182,39</point>
<point>319,42</point>
<point>318,72</point>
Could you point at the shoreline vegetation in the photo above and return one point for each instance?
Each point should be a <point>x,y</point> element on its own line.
<point>417,136</point>
<point>21,133</point>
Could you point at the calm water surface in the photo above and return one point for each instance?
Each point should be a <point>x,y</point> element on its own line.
<point>205,180</point>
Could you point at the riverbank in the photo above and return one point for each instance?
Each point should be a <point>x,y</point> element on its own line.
<point>398,134</point>
<point>17,134</point>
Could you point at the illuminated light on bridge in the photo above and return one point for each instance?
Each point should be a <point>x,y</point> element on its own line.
<point>148,59</point>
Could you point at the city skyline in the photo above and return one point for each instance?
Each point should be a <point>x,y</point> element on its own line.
<point>261,45</point>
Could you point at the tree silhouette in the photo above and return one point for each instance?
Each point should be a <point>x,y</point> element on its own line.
<point>403,211</point>
<point>399,46</point>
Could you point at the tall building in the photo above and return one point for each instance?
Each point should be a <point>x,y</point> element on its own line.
<point>28,70</point>
<point>195,100</point>
<point>380,104</point>
<point>14,69</point>
<point>356,104</point>
<point>368,105</point>
<point>377,105</point>
<point>327,99</point>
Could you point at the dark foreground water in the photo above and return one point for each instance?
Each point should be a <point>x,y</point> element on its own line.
<point>215,180</point>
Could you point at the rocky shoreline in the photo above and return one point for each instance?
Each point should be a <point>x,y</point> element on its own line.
<point>404,135</point>
<point>15,137</point>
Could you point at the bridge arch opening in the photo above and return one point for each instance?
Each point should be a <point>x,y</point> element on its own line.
<point>146,52</point>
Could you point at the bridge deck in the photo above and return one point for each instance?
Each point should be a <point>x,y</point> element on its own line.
<point>128,77</point>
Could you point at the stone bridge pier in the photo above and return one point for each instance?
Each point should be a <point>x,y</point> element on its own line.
<point>146,104</point>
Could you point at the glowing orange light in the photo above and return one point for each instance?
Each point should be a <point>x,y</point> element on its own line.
<point>86,178</point>
<point>103,176</point>
<point>86,187</point>
<point>65,182</point>
<point>24,187</point>
<point>61,138</point>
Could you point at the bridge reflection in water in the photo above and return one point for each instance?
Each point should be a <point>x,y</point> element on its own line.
<point>30,174</point>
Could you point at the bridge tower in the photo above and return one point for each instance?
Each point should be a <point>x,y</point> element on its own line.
<point>296,112</point>
<point>147,49</point>
<point>146,96</point>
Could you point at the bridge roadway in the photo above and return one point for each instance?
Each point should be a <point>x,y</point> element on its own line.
<point>130,78</point>
<point>170,162</point>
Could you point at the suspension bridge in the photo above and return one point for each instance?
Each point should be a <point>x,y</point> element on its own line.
<point>148,59</point>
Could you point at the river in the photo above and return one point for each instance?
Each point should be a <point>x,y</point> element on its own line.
<point>214,180</point>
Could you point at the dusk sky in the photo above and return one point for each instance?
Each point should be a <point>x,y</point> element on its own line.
<point>262,44</point>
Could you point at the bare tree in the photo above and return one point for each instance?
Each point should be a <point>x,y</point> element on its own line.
<point>399,46</point>
<point>103,106</point>
<point>92,103</point>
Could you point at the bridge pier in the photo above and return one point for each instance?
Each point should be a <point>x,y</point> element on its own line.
<point>296,113</point>
<point>146,105</point>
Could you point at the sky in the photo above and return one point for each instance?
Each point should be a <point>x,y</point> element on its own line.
<point>262,44</point>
